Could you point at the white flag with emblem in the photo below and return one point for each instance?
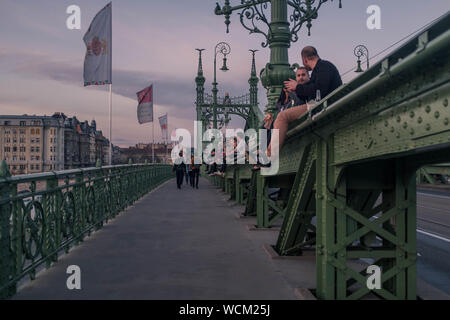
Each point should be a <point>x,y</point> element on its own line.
<point>98,40</point>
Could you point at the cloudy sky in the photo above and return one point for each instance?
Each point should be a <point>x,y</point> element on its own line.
<point>154,41</point>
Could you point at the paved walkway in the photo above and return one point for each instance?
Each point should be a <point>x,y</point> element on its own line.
<point>175,244</point>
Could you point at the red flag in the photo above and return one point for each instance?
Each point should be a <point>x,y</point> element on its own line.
<point>145,107</point>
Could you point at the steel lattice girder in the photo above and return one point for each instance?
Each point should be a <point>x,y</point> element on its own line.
<point>377,131</point>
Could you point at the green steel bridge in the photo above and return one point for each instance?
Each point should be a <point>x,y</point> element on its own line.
<point>345,190</point>
<point>350,165</point>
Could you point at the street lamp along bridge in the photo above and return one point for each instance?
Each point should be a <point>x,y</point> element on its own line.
<point>278,37</point>
<point>213,110</point>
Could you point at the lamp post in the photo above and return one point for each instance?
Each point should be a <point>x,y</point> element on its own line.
<point>225,49</point>
<point>361,51</point>
<point>280,33</point>
<point>214,113</point>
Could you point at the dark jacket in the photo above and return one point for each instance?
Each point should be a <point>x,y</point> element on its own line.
<point>181,167</point>
<point>325,77</point>
<point>292,101</point>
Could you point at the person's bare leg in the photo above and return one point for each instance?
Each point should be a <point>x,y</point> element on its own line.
<point>282,121</point>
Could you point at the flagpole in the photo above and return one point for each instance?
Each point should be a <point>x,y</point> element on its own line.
<point>166,137</point>
<point>110,124</point>
<point>153,138</point>
<point>153,123</point>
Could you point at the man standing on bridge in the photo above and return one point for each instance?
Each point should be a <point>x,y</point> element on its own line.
<point>325,79</point>
<point>179,169</point>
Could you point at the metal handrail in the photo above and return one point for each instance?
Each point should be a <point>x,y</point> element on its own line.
<point>37,224</point>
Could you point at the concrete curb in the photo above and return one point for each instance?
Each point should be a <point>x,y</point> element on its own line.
<point>252,227</point>
<point>272,254</point>
<point>304,294</point>
<point>241,216</point>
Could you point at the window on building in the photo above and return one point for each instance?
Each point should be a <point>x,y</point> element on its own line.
<point>14,158</point>
<point>22,140</point>
<point>38,131</point>
<point>22,131</point>
<point>32,149</point>
<point>14,149</point>
<point>6,131</point>
<point>32,140</point>
<point>22,158</point>
<point>7,123</point>
<point>51,140</point>
<point>37,157</point>
<point>14,131</point>
<point>37,167</point>
<point>22,167</point>
<point>32,158</point>
<point>32,131</point>
<point>32,167</point>
<point>7,139</point>
<point>38,149</point>
<point>7,149</point>
<point>38,140</point>
<point>22,149</point>
<point>23,123</point>
<point>14,167</point>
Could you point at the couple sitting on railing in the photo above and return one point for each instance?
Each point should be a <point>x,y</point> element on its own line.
<point>296,96</point>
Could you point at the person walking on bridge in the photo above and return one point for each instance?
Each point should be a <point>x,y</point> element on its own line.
<point>195,173</point>
<point>179,169</point>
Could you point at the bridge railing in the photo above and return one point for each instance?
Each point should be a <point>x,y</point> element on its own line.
<point>45,213</point>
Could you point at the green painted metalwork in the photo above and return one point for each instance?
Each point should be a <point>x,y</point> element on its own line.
<point>209,107</point>
<point>250,199</point>
<point>434,174</point>
<point>280,33</point>
<point>371,136</point>
<point>352,164</point>
<point>38,222</point>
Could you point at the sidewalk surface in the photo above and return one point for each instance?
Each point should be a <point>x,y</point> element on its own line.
<point>176,244</point>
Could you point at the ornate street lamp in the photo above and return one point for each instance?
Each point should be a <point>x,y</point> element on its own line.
<point>361,51</point>
<point>279,35</point>
<point>225,49</point>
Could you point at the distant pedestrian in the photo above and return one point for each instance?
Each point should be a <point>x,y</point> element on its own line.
<point>189,172</point>
<point>179,169</point>
<point>195,173</point>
